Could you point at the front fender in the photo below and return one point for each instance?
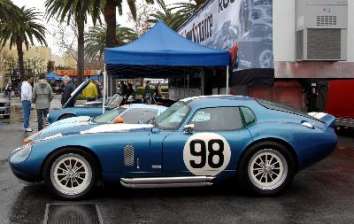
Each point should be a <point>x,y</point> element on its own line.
<point>107,147</point>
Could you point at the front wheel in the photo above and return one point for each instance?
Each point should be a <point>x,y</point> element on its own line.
<point>267,168</point>
<point>71,175</point>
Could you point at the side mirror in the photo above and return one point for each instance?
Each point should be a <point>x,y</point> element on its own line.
<point>188,129</point>
<point>118,120</point>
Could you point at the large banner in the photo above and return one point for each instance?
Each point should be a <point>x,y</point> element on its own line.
<point>226,24</point>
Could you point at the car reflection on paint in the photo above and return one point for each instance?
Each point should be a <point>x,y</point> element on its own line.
<point>197,141</point>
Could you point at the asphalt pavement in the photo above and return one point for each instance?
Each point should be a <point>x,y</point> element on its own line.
<point>322,194</point>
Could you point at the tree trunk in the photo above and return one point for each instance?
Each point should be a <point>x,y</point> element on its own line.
<point>110,18</point>
<point>21,63</point>
<point>80,48</point>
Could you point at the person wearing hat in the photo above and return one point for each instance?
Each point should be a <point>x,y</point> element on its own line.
<point>69,87</point>
<point>42,96</point>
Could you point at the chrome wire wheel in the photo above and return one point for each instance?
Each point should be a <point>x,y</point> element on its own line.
<point>267,169</point>
<point>71,174</point>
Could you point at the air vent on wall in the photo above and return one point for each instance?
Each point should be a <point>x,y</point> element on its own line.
<point>319,44</point>
<point>323,44</point>
<point>326,20</point>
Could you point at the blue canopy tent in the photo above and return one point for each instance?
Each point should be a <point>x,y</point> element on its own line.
<point>162,52</point>
<point>51,76</point>
<point>162,46</point>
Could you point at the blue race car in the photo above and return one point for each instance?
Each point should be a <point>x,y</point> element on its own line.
<point>195,142</point>
<point>128,114</point>
<point>91,109</point>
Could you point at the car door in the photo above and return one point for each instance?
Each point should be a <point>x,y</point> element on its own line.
<point>211,148</point>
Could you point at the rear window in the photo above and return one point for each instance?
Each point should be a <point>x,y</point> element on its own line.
<point>283,108</point>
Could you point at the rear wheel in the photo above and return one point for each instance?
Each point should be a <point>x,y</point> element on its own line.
<point>71,174</point>
<point>267,168</point>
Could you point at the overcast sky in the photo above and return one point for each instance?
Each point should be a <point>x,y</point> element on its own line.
<point>52,27</point>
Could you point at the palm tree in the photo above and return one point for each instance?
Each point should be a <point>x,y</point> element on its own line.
<point>187,9</point>
<point>6,9</point>
<point>78,10</point>
<point>96,39</point>
<point>109,12</point>
<point>171,17</point>
<point>23,29</point>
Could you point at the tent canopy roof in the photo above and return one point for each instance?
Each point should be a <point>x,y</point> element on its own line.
<point>52,76</point>
<point>161,46</point>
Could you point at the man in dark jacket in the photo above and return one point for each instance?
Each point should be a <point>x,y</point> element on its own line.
<point>42,96</point>
<point>69,87</point>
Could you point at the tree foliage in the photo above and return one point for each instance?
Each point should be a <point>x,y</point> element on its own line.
<point>96,40</point>
<point>24,28</point>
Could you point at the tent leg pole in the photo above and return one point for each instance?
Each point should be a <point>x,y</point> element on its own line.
<point>104,89</point>
<point>227,80</point>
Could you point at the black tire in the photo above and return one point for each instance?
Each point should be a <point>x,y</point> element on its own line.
<point>79,153</point>
<point>244,177</point>
<point>64,116</point>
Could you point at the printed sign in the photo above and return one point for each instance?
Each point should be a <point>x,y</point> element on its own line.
<point>225,24</point>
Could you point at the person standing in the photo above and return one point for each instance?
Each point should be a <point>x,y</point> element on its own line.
<point>158,90</point>
<point>123,89</point>
<point>69,87</point>
<point>147,93</point>
<point>90,92</point>
<point>26,97</point>
<point>42,96</point>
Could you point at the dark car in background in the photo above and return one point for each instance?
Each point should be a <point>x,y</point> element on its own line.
<point>4,106</point>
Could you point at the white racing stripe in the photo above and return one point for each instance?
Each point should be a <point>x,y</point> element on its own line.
<point>317,115</point>
<point>115,128</point>
<point>80,119</point>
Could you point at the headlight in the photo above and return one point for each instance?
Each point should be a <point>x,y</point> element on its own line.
<point>20,154</point>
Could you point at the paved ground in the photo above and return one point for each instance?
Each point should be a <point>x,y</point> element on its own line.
<point>322,194</point>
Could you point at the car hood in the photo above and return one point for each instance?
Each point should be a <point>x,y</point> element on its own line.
<point>76,92</point>
<point>72,120</point>
<point>63,129</point>
<point>87,128</point>
<point>112,128</point>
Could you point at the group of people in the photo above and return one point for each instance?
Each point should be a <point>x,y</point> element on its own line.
<point>126,91</point>
<point>150,92</point>
<point>41,95</point>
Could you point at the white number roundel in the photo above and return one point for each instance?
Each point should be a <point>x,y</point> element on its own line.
<point>206,154</point>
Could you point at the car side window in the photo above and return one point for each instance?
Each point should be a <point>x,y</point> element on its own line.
<point>248,115</point>
<point>217,119</point>
<point>136,116</point>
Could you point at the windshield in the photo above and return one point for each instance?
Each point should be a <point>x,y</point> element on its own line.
<point>115,101</point>
<point>173,116</point>
<point>109,115</point>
